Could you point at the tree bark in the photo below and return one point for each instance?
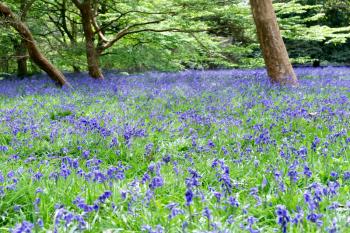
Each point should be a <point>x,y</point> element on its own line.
<point>4,64</point>
<point>22,57</point>
<point>21,49</point>
<point>273,48</point>
<point>92,54</point>
<point>32,48</point>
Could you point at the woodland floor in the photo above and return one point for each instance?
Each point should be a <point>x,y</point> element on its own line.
<point>212,151</point>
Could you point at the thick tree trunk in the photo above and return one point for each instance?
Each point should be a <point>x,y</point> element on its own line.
<point>91,53</point>
<point>274,50</point>
<point>22,57</point>
<point>32,48</point>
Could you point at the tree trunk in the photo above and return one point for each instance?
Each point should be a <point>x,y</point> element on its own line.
<point>76,69</point>
<point>91,53</point>
<point>22,57</point>
<point>32,48</point>
<point>4,64</point>
<point>273,48</point>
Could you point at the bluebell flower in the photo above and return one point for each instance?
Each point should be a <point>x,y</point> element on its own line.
<point>107,194</point>
<point>175,168</point>
<point>148,196</point>
<point>264,182</point>
<point>86,154</point>
<point>114,142</point>
<point>146,177</point>
<point>314,143</point>
<point>166,159</point>
<point>333,228</point>
<point>207,213</point>
<point>334,205</point>
<point>211,143</point>
<point>149,229</point>
<point>151,167</point>
<point>189,197</point>
<point>17,208</point>
<point>156,182</point>
<point>36,204</point>
<point>37,176</point>
<point>184,225</point>
<point>2,178</point>
<point>302,152</point>
<point>11,174</point>
<point>230,220</point>
<point>217,195</point>
<point>3,148</point>
<point>283,217</point>
<point>148,149</point>
<point>307,171</point>
<point>174,210</point>
<point>334,174</point>
<point>24,227</point>
<point>39,190</point>
<point>310,201</point>
<point>315,218</point>
<point>346,175</point>
<point>299,216</point>
<point>233,201</point>
<point>64,172</point>
<point>333,187</point>
<point>193,180</point>
<point>80,203</point>
<point>67,217</point>
<point>40,223</point>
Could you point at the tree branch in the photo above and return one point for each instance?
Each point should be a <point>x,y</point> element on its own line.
<point>77,3</point>
<point>25,8</point>
<point>124,32</point>
<point>98,30</point>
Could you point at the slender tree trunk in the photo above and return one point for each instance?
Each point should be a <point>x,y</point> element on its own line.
<point>70,33</point>
<point>22,57</point>
<point>76,69</point>
<point>32,48</point>
<point>274,50</point>
<point>4,64</point>
<point>92,54</point>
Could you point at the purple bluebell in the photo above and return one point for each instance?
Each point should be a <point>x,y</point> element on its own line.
<point>107,194</point>
<point>307,171</point>
<point>346,175</point>
<point>233,201</point>
<point>24,227</point>
<point>315,218</point>
<point>174,210</point>
<point>207,213</point>
<point>156,182</point>
<point>283,217</point>
<point>189,197</point>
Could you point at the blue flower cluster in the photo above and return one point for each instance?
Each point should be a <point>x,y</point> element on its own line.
<point>194,151</point>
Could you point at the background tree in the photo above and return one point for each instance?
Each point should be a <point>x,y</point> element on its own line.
<point>111,21</point>
<point>172,35</point>
<point>30,43</point>
<point>20,45</point>
<point>62,16</point>
<point>316,30</point>
<point>275,53</point>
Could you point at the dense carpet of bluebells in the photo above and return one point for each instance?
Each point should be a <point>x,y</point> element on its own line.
<point>214,151</point>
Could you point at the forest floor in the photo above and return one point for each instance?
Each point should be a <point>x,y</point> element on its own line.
<point>195,151</point>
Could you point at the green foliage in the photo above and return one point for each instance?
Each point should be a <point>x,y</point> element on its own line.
<point>223,34</point>
<point>311,32</point>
